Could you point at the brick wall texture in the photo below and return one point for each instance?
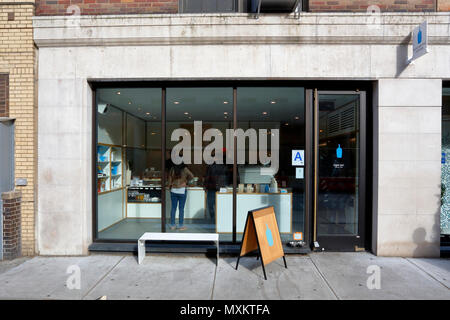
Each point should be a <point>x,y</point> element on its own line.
<point>11,225</point>
<point>17,60</point>
<point>4,95</point>
<point>361,5</point>
<point>443,5</point>
<point>94,7</point>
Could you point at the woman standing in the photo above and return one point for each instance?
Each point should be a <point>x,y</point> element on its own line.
<point>179,175</point>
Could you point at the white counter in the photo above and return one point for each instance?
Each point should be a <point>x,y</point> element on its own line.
<point>282,203</point>
<point>194,208</point>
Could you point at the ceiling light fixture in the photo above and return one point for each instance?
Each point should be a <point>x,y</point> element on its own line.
<point>273,102</point>
<point>176,102</point>
<point>264,113</point>
<point>118,92</point>
<point>225,102</point>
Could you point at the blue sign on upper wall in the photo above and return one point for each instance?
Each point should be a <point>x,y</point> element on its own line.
<point>420,41</point>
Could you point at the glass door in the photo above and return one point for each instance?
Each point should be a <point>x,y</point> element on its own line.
<point>339,136</point>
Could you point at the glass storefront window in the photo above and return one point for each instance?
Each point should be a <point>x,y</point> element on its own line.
<point>445,175</point>
<point>271,161</point>
<point>198,159</point>
<point>197,173</point>
<point>128,162</point>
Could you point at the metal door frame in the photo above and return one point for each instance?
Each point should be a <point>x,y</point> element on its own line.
<point>340,242</point>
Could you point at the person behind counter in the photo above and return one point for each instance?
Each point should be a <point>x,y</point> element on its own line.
<point>179,175</point>
<point>217,176</point>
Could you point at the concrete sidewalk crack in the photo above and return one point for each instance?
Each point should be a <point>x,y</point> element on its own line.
<point>214,281</point>
<point>324,279</point>
<point>429,274</point>
<point>101,279</point>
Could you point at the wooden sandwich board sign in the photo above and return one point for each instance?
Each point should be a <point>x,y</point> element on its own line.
<point>261,233</point>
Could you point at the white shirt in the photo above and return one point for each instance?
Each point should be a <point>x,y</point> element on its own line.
<point>178,190</point>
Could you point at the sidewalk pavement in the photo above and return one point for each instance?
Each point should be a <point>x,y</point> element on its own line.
<point>186,276</point>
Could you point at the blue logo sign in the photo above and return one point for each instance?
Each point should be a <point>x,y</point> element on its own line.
<point>419,37</point>
<point>443,158</point>
<point>339,152</point>
<point>269,236</point>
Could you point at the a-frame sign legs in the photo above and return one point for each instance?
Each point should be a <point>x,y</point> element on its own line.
<point>264,269</point>
<point>261,234</point>
<point>258,254</point>
<point>284,259</point>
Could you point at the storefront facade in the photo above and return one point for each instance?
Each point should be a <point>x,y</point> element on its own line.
<point>355,131</point>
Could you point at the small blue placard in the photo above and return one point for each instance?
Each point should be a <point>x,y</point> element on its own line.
<point>443,158</point>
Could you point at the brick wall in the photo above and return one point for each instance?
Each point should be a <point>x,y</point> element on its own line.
<point>361,5</point>
<point>4,95</point>
<point>59,7</point>
<point>443,5</point>
<point>17,59</point>
<point>11,225</point>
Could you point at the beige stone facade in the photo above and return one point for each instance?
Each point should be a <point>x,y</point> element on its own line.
<point>17,59</point>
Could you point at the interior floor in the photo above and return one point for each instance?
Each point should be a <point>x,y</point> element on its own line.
<point>133,228</point>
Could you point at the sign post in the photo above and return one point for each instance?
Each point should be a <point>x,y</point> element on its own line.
<point>261,233</point>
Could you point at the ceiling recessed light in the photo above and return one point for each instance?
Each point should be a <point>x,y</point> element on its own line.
<point>264,113</point>
<point>286,124</point>
<point>225,112</point>
<point>176,102</point>
<point>147,113</point>
<point>273,102</point>
<point>225,102</point>
<point>118,92</point>
<point>296,118</point>
<point>129,102</point>
<point>153,133</point>
<point>186,113</point>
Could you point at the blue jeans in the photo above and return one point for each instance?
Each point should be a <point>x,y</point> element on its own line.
<point>177,200</point>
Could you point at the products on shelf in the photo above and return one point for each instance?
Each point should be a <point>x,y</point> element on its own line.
<point>109,168</point>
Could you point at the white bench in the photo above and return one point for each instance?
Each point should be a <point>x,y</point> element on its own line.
<point>159,236</point>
